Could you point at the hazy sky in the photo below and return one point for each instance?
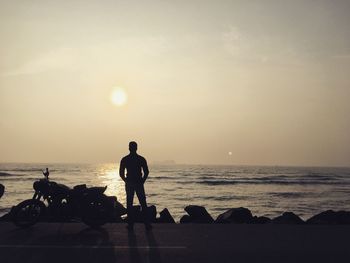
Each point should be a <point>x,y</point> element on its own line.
<point>267,81</point>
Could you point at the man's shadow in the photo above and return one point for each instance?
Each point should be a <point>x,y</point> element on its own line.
<point>134,254</point>
<point>151,251</point>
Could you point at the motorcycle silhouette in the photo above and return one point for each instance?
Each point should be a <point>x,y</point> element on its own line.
<point>57,202</point>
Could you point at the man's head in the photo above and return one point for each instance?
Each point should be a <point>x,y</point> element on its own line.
<point>132,147</point>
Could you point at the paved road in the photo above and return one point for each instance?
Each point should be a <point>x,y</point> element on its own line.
<point>74,242</point>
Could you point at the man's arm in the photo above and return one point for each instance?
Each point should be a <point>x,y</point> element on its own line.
<point>145,170</point>
<point>122,170</point>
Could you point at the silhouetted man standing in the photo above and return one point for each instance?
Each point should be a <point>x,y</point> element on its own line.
<point>134,164</point>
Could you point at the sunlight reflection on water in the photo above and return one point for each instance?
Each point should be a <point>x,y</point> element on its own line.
<point>109,175</point>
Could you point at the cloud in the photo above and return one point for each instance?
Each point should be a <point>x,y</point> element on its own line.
<point>245,47</point>
<point>342,56</point>
<point>62,58</point>
<point>235,42</point>
<point>82,57</point>
<point>261,48</point>
<point>146,45</point>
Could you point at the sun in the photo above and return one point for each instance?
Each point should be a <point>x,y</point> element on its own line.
<point>119,96</point>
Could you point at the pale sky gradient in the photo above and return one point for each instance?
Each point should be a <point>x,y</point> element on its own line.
<point>267,81</point>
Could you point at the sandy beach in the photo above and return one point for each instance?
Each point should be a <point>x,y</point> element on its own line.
<point>74,242</point>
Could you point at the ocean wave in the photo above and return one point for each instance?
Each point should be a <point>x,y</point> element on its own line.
<point>224,198</point>
<point>215,182</point>
<point>270,182</point>
<point>164,177</point>
<point>182,198</point>
<point>331,176</point>
<point>39,170</point>
<point>152,195</point>
<point>24,170</point>
<point>19,177</point>
<point>287,194</point>
<point>16,176</point>
<point>5,174</point>
<point>272,177</point>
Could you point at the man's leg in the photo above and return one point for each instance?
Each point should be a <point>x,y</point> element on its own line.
<point>130,191</point>
<point>140,192</point>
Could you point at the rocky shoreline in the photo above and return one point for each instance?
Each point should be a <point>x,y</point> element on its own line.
<point>242,215</point>
<point>199,215</point>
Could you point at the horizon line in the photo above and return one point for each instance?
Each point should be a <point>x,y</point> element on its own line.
<point>185,164</point>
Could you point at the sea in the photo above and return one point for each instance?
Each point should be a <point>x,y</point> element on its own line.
<point>265,190</point>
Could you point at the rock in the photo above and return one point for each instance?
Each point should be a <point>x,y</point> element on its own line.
<point>198,214</point>
<point>288,218</point>
<point>138,214</point>
<point>240,215</point>
<point>136,209</point>
<point>260,220</point>
<point>185,219</point>
<point>119,209</point>
<point>152,213</point>
<point>165,217</point>
<point>330,217</point>
<point>2,190</point>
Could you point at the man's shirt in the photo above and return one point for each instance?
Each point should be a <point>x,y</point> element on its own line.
<point>134,164</point>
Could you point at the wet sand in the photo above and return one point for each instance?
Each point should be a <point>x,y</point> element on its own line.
<point>74,242</point>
